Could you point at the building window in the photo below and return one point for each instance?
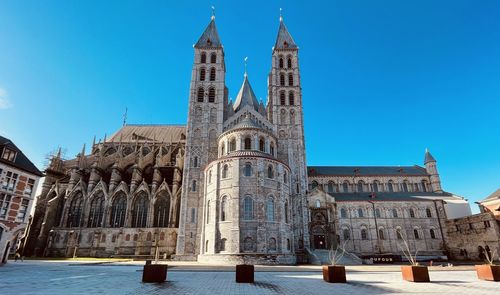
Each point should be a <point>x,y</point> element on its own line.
<point>262,146</point>
<point>10,181</point>
<point>424,186</point>
<point>381,234</point>
<point>203,58</point>
<point>412,213</point>
<point>211,95</point>
<point>291,98</point>
<point>248,208</point>
<point>162,210</point>
<point>193,215</point>
<point>405,186</point>
<point>223,245</point>
<point>212,74</point>
<point>193,186</point>
<point>394,213</point>
<point>288,245</point>
<point>213,58</point>
<point>428,212</point>
<point>415,233</point>
<point>195,162</point>
<point>289,63</point>
<point>248,143</point>
<point>223,209</point>
<point>4,205</point>
<point>232,145</point>
<point>433,234</point>
<point>290,79</point>
<point>399,236</point>
<point>282,98</point>
<point>314,184</point>
<point>377,213</point>
<point>330,187</point>
<point>282,79</point>
<point>318,204</point>
<point>343,213</point>
<point>201,94</point>
<point>360,212</point>
<point>487,224</point>
<point>390,186</point>
<point>346,234</point>
<point>286,212</point>
<point>270,172</point>
<point>75,211</point>
<point>118,210</point>
<point>9,155</point>
<point>345,187</point>
<point>208,211</point>
<point>247,171</point>
<point>360,186</point>
<point>281,63</point>
<point>271,149</point>
<point>140,211</point>
<point>96,211</point>
<point>375,186</point>
<point>364,234</point>
<point>202,74</point>
<point>224,171</point>
<point>29,187</point>
<point>270,209</point>
<point>272,244</point>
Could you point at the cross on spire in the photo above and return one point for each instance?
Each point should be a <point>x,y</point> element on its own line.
<point>246,58</point>
<point>213,12</point>
<point>281,16</point>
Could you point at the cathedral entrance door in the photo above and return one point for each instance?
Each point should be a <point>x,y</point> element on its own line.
<point>319,242</point>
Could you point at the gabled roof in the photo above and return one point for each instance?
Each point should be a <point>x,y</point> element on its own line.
<point>21,161</point>
<point>158,133</point>
<point>365,170</point>
<point>428,157</point>
<point>284,39</point>
<point>493,196</point>
<point>210,37</point>
<point>246,97</point>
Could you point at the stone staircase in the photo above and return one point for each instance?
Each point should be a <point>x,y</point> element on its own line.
<point>321,257</point>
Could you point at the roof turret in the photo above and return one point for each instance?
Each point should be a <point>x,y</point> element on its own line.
<point>428,157</point>
<point>246,96</point>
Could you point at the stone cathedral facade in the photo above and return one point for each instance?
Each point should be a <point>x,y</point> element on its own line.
<point>232,186</point>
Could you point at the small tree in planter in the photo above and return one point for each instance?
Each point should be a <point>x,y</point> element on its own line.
<point>413,272</point>
<point>335,273</point>
<point>489,271</point>
<point>244,272</point>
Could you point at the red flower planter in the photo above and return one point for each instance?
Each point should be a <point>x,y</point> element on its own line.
<point>154,273</point>
<point>412,273</point>
<point>334,273</point>
<point>244,273</point>
<point>488,272</point>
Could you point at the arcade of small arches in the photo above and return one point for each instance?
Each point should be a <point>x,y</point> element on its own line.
<point>247,141</point>
<point>365,212</point>
<point>347,186</point>
<point>398,233</point>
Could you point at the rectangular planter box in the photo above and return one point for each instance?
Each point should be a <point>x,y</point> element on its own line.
<point>244,273</point>
<point>488,272</point>
<point>154,273</point>
<point>415,273</point>
<point>334,273</point>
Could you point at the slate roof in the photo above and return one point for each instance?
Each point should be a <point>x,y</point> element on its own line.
<point>397,196</point>
<point>158,133</point>
<point>246,96</point>
<point>365,170</point>
<point>210,37</point>
<point>428,157</point>
<point>21,161</point>
<point>247,122</point>
<point>284,40</point>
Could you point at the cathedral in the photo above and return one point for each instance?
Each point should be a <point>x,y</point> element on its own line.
<point>233,185</point>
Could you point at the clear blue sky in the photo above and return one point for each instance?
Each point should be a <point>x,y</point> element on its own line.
<point>382,80</point>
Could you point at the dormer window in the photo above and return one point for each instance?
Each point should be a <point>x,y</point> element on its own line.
<point>209,42</point>
<point>9,155</point>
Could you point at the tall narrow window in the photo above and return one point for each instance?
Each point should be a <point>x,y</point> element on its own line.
<point>405,186</point>
<point>271,149</point>
<point>282,98</point>
<point>399,236</point>
<point>75,211</point>
<point>203,58</point>
<point>210,176</point>
<point>262,146</point>
<point>433,234</point>
<point>346,234</point>
<point>375,186</point>
<point>248,208</point>
<point>364,234</point>
<point>360,186</point>
<point>232,145</point>
<point>195,162</point>
<point>270,209</point>
<point>248,169</point>
<point>23,209</point>
<point>270,172</point>
<point>291,98</point>
<point>223,209</point>
<point>330,187</point>
<point>212,74</point>
<point>360,212</point>
<point>282,79</point>
<point>416,234</point>
<point>118,210</point>
<point>318,203</point>
<point>201,94</point>
<point>286,212</point>
<point>343,213</point>
<point>412,213</point>
<point>285,177</point>
<point>424,186</point>
<point>162,208</point>
<point>202,74</point>
<point>390,186</point>
<point>208,211</point>
<point>345,186</point>
<point>211,95</point>
<point>140,211</point>
<point>394,213</point>
<point>290,79</point>
<point>224,171</point>
<point>248,143</point>
<point>377,213</point>
<point>213,58</point>
<point>223,245</point>
<point>381,234</point>
<point>428,212</point>
<point>289,62</point>
<point>193,215</point>
<point>193,186</point>
<point>281,63</point>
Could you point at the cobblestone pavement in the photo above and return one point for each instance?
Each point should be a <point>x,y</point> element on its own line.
<point>33,277</point>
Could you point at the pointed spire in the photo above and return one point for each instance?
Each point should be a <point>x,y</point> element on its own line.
<point>284,39</point>
<point>104,141</point>
<point>428,157</point>
<point>58,153</point>
<point>93,142</point>
<point>83,150</point>
<point>246,96</point>
<point>210,37</point>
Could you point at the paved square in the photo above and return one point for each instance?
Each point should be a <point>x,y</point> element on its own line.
<point>33,277</point>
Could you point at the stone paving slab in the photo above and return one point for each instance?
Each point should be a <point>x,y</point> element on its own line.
<point>65,278</point>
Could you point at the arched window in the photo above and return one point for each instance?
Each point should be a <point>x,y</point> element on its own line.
<point>399,236</point>
<point>290,79</point>
<point>318,203</point>
<point>212,74</point>
<point>394,213</point>
<point>281,63</point>
<point>202,74</point>
<point>282,98</point>
<point>330,187</point>
<point>225,169</point>
<point>272,244</point>
<point>248,143</point>
<point>232,145</point>
<point>210,176</point>
<point>289,62</point>
<point>343,213</point>
<point>270,172</point>
<point>118,210</point>
<point>424,185</point>
<point>195,162</point>
<point>223,245</point>
<point>247,171</point>
<point>211,95</point>
<point>208,211</point>
<point>213,58</point>
<point>428,212</point>
<point>286,212</point>
<point>346,233</point>
<point>433,234</point>
<point>283,116</point>
<point>360,212</point>
<point>390,186</point>
<point>271,149</point>
<point>360,186</point>
<point>222,149</point>
<point>375,186</point>
<point>248,208</point>
<point>292,117</point>
<point>59,212</point>
<point>345,187</point>
<point>140,211</point>
<point>364,234</point>
<point>262,145</point>
<point>193,186</point>
<point>75,211</point>
<point>201,94</point>
<point>377,213</point>
<point>405,186</point>
<point>193,215</point>
<point>270,209</point>
<point>203,58</point>
<point>162,209</point>
<point>223,209</point>
<point>291,98</point>
<point>288,245</point>
<point>412,213</point>
<point>416,234</point>
<point>282,79</point>
<point>314,184</point>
